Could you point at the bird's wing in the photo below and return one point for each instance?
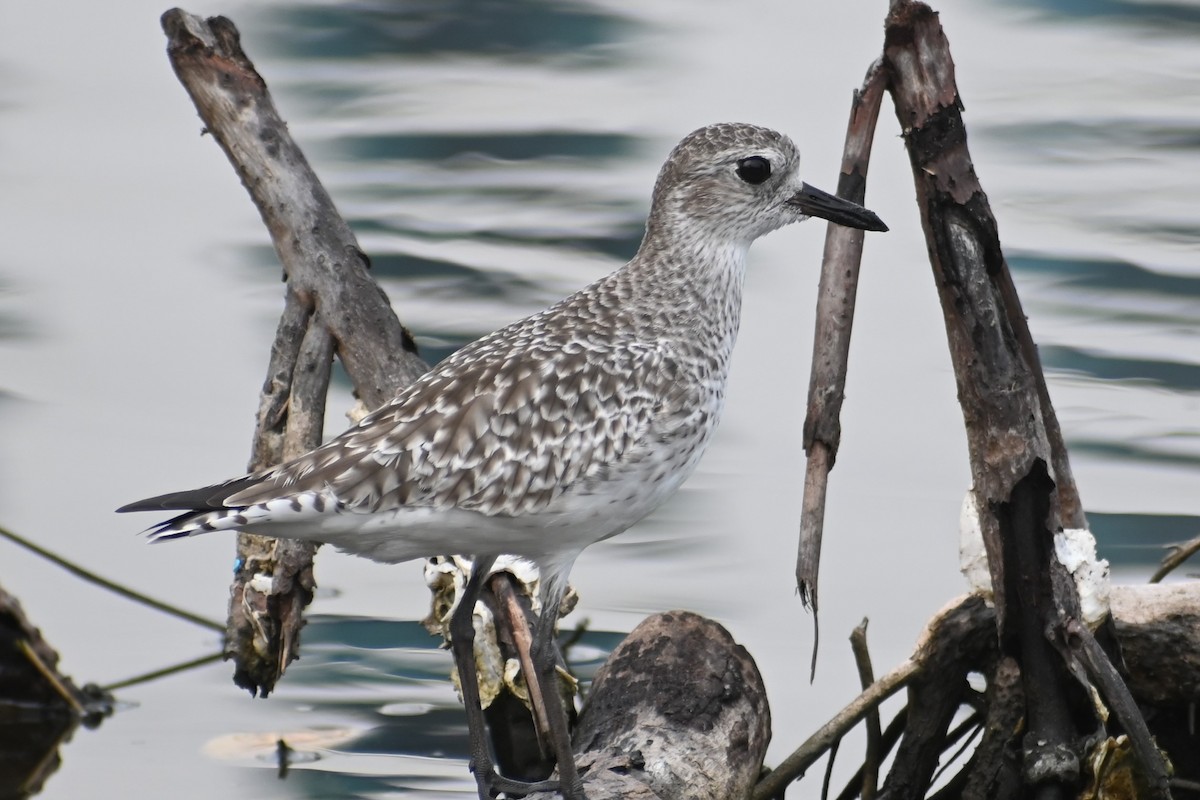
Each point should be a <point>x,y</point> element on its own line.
<point>498,436</point>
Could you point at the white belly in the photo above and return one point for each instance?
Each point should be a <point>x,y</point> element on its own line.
<point>581,516</point>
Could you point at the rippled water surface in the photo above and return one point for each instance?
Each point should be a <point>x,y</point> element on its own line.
<point>493,157</point>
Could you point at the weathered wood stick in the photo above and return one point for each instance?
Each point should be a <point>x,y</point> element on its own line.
<point>321,258</point>
<point>831,340</point>
<point>1011,431</point>
<point>332,305</point>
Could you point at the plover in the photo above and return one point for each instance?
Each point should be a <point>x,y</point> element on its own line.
<point>557,431</point>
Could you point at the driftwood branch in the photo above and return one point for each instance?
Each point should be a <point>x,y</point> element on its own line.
<point>332,305</point>
<point>520,741</point>
<point>1012,435</point>
<point>891,735</point>
<point>831,341</point>
<point>963,642</point>
<point>321,258</point>
<point>996,386</point>
<point>1159,631</point>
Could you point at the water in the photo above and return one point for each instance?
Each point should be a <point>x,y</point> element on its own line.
<point>493,157</point>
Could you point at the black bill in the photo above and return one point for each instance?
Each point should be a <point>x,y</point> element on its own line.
<point>815,203</point>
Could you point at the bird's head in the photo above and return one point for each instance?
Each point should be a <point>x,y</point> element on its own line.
<point>737,182</point>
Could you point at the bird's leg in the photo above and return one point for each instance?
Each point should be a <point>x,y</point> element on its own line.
<point>544,654</point>
<point>462,644</point>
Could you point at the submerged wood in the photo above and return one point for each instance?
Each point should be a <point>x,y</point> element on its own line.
<point>332,306</point>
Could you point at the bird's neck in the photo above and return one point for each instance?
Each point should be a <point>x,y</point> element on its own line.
<point>693,282</point>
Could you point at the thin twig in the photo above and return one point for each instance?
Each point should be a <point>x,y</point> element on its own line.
<point>963,728</point>
<point>1179,554</point>
<point>953,788</point>
<point>146,677</point>
<point>794,765</point>
<point>866,674</point>
<point>104,583</point>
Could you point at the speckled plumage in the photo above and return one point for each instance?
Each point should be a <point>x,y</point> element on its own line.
<point>556,431</point>
<point>560,429</point>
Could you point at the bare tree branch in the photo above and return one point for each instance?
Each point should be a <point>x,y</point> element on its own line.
<point>332,304</point>
<point>831,341</point>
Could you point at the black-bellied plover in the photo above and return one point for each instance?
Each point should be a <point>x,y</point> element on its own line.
<point>557,431</point>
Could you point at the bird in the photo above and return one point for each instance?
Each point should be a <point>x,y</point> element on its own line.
<point>557,431</point>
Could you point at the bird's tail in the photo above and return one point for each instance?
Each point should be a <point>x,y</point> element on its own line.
<point>210,509</point>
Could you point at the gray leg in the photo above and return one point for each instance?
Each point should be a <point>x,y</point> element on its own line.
<point>462,645</point>
<point>545,658</point>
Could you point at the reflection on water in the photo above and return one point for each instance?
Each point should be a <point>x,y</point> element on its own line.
<point>1142,538</point>
<point>1171,19</point>
<point>513,29</point>
<point>1165,374</point>
<point>446,145</point>
<point>1097,276</point>
<point>386,681</point>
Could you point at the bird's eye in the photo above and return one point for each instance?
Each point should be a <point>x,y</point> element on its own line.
<point>754,170</point>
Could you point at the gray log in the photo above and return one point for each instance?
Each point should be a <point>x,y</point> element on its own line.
<point>678,712</point>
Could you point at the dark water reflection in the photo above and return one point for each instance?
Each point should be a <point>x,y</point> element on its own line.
<point>1171,19</point>
<point>1174,375</point>
<point>446,145</point>
<point>1142,538</point>
<point>1096,275</point>
<point>387,677</point>
<point>496,28</point>
<point>1072,140</point>
<point>15,324</point>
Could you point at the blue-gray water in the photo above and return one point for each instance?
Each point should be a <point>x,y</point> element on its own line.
<point>493,157</point>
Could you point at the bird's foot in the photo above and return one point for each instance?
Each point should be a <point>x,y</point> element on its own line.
<point>491,784</point>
